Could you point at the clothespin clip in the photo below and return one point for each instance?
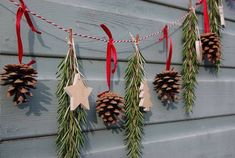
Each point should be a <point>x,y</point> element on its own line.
<point>136,41</point>
<point>190,6</point>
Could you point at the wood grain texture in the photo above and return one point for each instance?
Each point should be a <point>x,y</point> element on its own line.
<point>39,115</point>
<point>28,131</point>
<point>204,138</point>
<point>52,42</point>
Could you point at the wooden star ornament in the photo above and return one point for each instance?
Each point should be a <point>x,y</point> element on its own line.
<point>78,93</point>
<point>145,97</point>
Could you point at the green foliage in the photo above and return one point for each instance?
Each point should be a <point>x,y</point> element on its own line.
<point>190,66</point>
<point>134,117</point>
<point>215,24</point>
<point>214,16</point>
<point>70,138</point>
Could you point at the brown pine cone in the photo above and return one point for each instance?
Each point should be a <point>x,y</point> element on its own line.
<point>211,47</point>
<point>110,107</point>
<point>167,86</point>
<point>20,78</point>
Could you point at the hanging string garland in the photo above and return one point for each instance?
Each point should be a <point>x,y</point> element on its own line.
<point>110,106</point>
<point>71,115</point>
<point>21,77</point>
<point>134,122</point>
<point>190,65</point>
<point>167,83</point>
<point>211,44</point>
<point>154,34</point>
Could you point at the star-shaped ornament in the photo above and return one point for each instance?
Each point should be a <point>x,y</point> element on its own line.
<point>145,97</point>
<point>78,93</point>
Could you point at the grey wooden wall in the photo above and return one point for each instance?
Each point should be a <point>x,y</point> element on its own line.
<point>29,130</point>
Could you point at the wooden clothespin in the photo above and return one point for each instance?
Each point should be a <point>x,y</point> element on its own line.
<point>70,40</point>
<point>136,41</point>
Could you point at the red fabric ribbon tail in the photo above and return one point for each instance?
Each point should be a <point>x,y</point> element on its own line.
<point>205,16</point>
<point>31,62</point>
<point>168,63</point>
<point>19,15</point>
<point>165,36</point>
<point>114,57</point>
<point>22,10</point>
<point>111,55</point>
<point>108,66</point>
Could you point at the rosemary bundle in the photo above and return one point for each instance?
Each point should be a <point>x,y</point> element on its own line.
<point>215,23</point>
<point>190,65</point>
<point>134,117</point>
<point>70,138</point>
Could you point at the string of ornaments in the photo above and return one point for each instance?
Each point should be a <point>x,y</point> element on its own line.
<point>73,93</point>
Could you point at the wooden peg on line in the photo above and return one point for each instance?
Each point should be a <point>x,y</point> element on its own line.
<point>136,41</point>
<point>70,31</point>
<point>190,6</point>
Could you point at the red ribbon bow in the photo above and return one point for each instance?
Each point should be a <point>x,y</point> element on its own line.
<point>23,10</point>
<point>205,15</point>
<point>111,54</point>
<point>165,36</point>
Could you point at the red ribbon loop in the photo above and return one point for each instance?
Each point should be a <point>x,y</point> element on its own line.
<point>205,15</point>
<point>168,62</point>
<point>111,54</point>
<point>22,10</point>
<point>166,36</point>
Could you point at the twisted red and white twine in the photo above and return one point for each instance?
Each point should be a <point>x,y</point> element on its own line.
<point>154,34</point>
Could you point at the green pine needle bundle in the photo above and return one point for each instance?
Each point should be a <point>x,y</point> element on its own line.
<point>190,65</point>
<point>70,138</point>
<point>214,17</point>
<point>134,117</point>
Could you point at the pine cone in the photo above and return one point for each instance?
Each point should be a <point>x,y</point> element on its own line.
<point>211,47</point>
<point>20,78</point>
<point>167,86</point>
<point>110,107</point>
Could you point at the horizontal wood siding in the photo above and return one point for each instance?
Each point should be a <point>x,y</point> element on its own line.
<point>29,130</point>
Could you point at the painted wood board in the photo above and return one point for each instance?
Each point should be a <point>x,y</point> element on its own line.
<point>38,117</point>
<point>187,139</point>
<point>141,8</point>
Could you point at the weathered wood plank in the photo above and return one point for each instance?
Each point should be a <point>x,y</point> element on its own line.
<point>38,117</point>
<point>142,8</point>
<point>52,42</point>
<point>205,138</point>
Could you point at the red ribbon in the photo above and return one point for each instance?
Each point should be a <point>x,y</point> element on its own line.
<point>168,62</point>
<point>205,15</point>
<point>166,36</point>
<point>111,54</point>
<point>22,10</point>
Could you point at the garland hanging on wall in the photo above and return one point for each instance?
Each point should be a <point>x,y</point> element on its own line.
<point>190,64</point>
<point>20,77</point>
<point>134,122</point>
<point>110,106</point>
<point>167,84</point>
<point>211,45</point>
<point>71,113</point>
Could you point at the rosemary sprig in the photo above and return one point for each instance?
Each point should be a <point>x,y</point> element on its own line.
<point>134,117</point>
<point>190,65</point>
<point>70,138</point>
<point>215,23</point>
